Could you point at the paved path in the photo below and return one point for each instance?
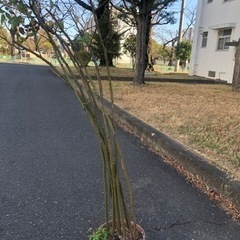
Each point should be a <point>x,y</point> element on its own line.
<point>50,174</point>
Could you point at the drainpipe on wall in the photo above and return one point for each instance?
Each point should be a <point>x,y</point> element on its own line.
<point>219,75</point>
<point>196,40</point>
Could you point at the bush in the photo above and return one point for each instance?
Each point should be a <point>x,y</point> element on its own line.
<point>83,57</point>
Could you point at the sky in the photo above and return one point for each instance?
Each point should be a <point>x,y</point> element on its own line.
<point>189,4</point>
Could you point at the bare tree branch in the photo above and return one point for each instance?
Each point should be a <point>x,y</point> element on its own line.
<point>84,5</point>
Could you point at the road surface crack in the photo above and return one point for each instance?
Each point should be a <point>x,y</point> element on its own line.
<point>172,225</point>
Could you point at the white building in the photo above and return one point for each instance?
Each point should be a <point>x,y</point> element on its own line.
<point>217,22</point>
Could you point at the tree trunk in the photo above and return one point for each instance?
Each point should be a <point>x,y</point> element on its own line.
<point>236,73</point>
<point>133,61</point>
<point>103,62</point>
<point>140,52</point>
<point>12,34</point>
<point>171,55</point>
<point>143,29</point>
<point>170,62</point>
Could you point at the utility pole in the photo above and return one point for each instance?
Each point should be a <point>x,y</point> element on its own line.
<point>180,31</point>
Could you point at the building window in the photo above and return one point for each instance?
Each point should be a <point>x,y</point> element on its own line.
<point>209,1</point>
<point>224,35</point>
<point>204,39</point>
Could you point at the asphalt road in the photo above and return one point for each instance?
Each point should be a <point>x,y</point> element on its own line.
<point>50,171</point>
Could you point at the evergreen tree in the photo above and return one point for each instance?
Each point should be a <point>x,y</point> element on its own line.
<point>106,32</point>
<point>183,50</point>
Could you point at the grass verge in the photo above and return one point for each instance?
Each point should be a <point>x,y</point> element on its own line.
<point>204,117</point>
<point>129,73</point>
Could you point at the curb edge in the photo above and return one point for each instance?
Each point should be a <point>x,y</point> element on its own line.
<point>194,163</point>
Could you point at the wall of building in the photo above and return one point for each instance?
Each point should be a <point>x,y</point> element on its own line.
<point>212,17</point>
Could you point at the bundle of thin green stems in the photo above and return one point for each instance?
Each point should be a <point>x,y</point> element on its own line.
<point>119,213</point>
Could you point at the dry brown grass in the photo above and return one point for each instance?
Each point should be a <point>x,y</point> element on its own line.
<point>204,117</point>
<point>128,72</point>
<point>115,72</point>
